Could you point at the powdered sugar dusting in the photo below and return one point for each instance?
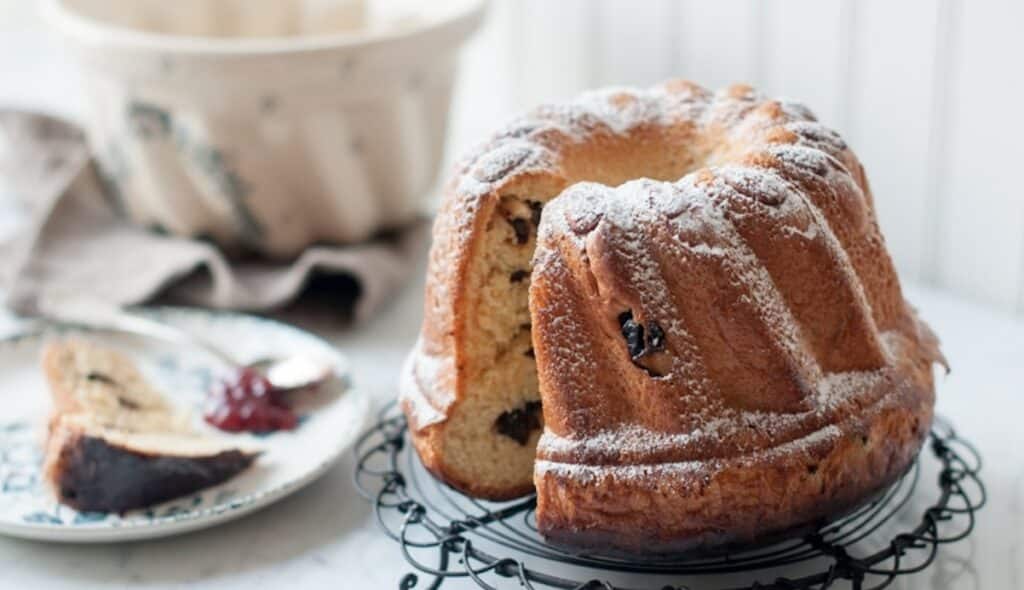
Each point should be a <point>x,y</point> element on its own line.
<point>762,185</point>
<point>743,264</point>
<point>818,136</point>
<point>499,162</point>
<point>696,204</point>
<point>653,472</point>
<point>807,159</point>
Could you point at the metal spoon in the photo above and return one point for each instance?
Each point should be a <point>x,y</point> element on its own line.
<point>286,373</point>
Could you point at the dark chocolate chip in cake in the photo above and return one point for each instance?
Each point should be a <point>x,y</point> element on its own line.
<point>644,344</point>
<point>522,229</point>
<point>655,338</point>
<point>520,423</point>
<point>535,210</point>
<point>529,352</point>
<point>518,276</point>
<point>633,332</point>
<point>97,377</point>
<point>100,378</point>
<point>625,316</point>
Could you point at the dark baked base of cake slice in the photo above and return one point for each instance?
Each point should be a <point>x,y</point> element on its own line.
<point>97,475</point>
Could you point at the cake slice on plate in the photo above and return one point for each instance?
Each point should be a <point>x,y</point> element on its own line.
<point>115,443</point>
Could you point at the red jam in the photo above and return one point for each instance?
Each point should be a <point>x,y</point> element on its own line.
<point>246,402</point>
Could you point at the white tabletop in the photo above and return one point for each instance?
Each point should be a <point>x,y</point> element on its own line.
<point>324,536</point>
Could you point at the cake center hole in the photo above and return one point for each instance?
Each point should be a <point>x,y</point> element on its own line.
<point>520,423</point>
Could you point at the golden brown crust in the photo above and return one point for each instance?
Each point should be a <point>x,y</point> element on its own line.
<point>737,502</point>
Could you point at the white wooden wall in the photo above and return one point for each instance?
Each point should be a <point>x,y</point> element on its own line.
<point>929,92</point>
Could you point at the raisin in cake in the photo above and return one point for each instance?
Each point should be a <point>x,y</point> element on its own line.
<point>115,443</point>
<point>672,313</point>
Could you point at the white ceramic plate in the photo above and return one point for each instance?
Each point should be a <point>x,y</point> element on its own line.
<point>331,418</point>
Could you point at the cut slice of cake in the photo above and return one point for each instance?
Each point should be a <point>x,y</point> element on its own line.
<point>115,443</point>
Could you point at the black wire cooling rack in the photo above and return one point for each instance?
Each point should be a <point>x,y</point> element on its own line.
<point>444,535</point>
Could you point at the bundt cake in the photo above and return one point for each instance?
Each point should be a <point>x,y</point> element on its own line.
<point>671,313</point>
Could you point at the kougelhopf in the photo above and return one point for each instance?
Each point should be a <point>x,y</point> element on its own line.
<point>671,313</point>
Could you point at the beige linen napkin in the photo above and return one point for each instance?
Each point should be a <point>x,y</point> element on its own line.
<point>72,245</point>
